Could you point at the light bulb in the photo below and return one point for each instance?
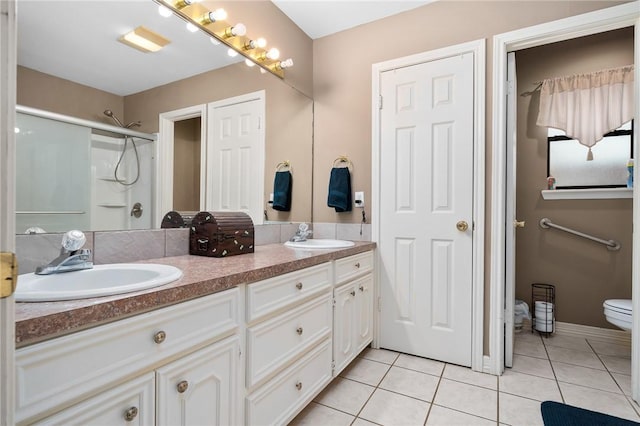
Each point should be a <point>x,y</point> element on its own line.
<point>263,71</point>
<point>191,27</point>
<point>273,54</point>
<point>237,30</point>
<point>214,41</point>
<point>261,42</point>
<point>232,53</point>
<point>16,129</point>
<point>164,11</point>
<point>219,14</point>
<point>249,62</point>
<point>287,63</point>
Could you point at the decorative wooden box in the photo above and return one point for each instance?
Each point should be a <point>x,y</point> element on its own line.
<point>220,234</point>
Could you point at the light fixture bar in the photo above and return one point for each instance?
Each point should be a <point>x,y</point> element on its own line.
<point>144,40</point>
<point>197,14</point>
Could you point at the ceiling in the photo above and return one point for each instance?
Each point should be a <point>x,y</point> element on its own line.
<point>322,18</point>
<point>74,39</point>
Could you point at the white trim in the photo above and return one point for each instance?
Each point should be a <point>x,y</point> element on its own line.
<point>8,65</point>
<point>577,26</point>
<point>586,194</point>
<point>476,47</point>
<point>258,208</point>
<point>164,153</point>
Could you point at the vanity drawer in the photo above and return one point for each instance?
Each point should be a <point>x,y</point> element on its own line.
<point>274,343</point>
<point>353,266</point>
<point>269,296</point>
<point>60,371</point>
<point>278,401</point>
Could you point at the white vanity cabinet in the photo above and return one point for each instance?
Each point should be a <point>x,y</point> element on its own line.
<point>288,343</point>
<point>353,310</point>
<point>194,341</point>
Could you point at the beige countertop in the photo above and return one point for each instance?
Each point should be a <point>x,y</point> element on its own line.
<point>40,321</point>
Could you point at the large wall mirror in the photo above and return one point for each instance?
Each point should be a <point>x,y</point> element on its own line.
<point>72,63</point>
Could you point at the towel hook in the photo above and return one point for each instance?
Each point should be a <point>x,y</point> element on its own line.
<point>343,159</point>
<point>282,165</point>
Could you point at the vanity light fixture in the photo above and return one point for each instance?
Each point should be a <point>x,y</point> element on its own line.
<point>287,63</point>
<point>144,40</point>
<point>237,30</point>
<point>215,16</point>
<point>215,24</point>
<point>214,41</point>
<point>232,53</point>
<point>249,63</point>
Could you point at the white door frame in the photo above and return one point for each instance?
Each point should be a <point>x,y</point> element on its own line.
<point>478,49</point>
<point>164,152</point>
<point>8,67</point>
<point>626,15</point>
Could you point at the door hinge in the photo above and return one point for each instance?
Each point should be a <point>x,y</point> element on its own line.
<point>334,302</point>
<point>379,101</point>
<point>239,353</point>
<point>333,366</point>
<point>8,274</point>
<point>379,304</point>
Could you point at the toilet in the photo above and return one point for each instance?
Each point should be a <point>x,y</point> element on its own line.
<point>618,312</point>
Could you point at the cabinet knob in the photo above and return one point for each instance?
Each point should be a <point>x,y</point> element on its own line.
<point>353,292</point>
<point>299,286</point>
<point>159,337</point>
<point>182,386</point>
<point>131,414</point>
<point>357,265</point>
<point>299,385</point>
<point>299,331</point>
<point>361,288</point>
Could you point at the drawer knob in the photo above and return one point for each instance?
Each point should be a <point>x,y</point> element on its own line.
<point>299,331</point>
<point>353,292</point>
<point>299,286</point>
<point>357,265</point>
<point>182,386</point>
<point>159,337</point>
<point>361,288</point>
<point>299,385</point>
<point>131,414</point>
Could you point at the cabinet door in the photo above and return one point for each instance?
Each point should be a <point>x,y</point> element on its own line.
<point>364,312</point>
<point>130,404</point>
<point>344,315</point>
<point>201,388</point>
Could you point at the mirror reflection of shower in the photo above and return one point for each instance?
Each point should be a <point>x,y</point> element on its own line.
<point>110,114</point>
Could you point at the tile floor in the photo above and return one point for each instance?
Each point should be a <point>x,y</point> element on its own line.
<point>387,388</point>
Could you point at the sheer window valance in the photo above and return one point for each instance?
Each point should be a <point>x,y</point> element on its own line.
<point>586,106</point>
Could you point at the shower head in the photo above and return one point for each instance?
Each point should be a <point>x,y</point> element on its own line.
<point>109,113</point>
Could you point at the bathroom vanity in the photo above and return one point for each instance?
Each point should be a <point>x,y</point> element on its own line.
<point>248,339</point>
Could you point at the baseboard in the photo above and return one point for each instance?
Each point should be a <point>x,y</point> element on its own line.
<point>606,335</point>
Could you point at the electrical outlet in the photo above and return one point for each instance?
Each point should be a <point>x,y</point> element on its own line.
<point>358,199</point>
<point>271,198</point>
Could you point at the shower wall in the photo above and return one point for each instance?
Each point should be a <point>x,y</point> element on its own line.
<point>584,273</point>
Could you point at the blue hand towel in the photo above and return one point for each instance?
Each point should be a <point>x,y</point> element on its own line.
<point>282,185</point>
<point>340,189</point>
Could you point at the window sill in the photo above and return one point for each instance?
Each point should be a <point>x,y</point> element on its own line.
<point>587,194</point>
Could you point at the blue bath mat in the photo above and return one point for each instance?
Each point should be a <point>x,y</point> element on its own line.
<point>557,414</point>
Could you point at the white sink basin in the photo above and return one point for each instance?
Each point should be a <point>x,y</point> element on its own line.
<point>319,244</point>
<point>102,280</point>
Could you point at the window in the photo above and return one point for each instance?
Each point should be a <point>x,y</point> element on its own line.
<point>567,159</point>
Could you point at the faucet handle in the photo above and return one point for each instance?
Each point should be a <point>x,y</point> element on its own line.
<point>73,240</point>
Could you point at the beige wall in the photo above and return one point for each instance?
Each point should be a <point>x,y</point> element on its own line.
<point>584,273</point>
<point>43,91</point>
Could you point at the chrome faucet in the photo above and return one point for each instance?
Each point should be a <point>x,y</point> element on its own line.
<point>302,233</point>
<point>71,257</point>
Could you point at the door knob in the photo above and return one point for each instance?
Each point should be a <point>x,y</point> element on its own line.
<point>518,224</point>
<point>462,226</point>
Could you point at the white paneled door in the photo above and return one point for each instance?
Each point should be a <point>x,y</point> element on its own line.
<point>426,209</point>
<point>236,151</point>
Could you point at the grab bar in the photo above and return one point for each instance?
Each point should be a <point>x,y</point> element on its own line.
<point>611,244</point>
